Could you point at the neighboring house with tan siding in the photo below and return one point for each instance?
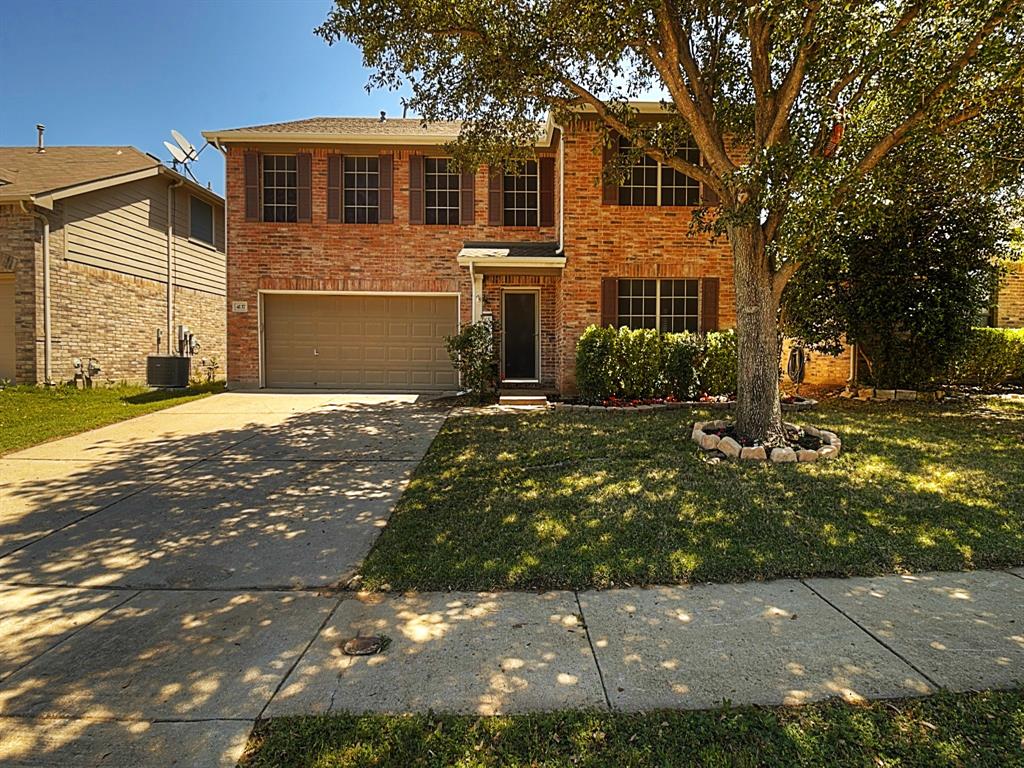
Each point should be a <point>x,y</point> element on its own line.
<point>101,215</point>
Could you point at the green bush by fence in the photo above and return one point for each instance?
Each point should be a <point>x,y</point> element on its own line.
<point>643,363</point>
<point>993,356</point>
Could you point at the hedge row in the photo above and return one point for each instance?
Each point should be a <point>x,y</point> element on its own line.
<point>993,356</point>
<point>643,363</point>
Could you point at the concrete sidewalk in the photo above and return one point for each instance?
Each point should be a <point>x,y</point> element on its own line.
<point>178,677</point>
<point>780,642</point>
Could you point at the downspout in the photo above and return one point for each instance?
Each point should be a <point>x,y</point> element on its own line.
<point>170,263</point>
<point>561,189</point>
<point>47,334</point>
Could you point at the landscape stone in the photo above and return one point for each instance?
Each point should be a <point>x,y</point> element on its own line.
<point>754,453</point>
<point>730,447</point>
<point>805,454</point>
<point>906,394</point>
<point>783,455</point>
<point>828,452</point>
<point>885,394</point>
<point>709,442</point>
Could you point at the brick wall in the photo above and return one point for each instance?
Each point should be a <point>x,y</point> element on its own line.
<point>624,241</point>
<point>820,370</point>
<point>318,256</point>
<point>17,246</point>
<point>95,313</point>
<point>1010,299</point>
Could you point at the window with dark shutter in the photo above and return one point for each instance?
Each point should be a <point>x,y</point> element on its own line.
<point>671,306</point>
<point>200,220</point>
<point>335,174</point>
<point>251,167</point>
<point>546,168</point>
<point>304,186</point>
<point>416,189</point>
<point>361,185</point>
<point>650,183</point>
<point>521,196</point>
<point>280,188</point>
<point>441,192</point>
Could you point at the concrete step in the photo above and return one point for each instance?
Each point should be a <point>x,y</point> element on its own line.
<point>537,400</point>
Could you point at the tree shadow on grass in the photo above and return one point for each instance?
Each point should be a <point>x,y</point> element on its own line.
<point>553,500</point>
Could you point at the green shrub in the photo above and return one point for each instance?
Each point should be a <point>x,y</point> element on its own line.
<point>643,363</point>
<point>719,372</point>
<point>595,358</point>
<point>682,356</point>
<point>472,353</point>
<point>639,364</point>
<point>992,356</point>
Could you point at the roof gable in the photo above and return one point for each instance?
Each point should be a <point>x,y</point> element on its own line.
<point>28,172</point>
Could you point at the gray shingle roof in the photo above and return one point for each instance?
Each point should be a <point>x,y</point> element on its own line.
<point>362,126</point>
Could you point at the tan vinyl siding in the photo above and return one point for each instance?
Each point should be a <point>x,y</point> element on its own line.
<point>123,229</point>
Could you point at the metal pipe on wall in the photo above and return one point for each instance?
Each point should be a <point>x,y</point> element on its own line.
<point>170,263</point>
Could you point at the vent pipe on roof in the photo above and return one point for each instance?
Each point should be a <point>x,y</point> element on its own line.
<point>40,148</point>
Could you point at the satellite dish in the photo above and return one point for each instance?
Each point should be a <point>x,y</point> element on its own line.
<point>186,145</point>
<point>176,152</point>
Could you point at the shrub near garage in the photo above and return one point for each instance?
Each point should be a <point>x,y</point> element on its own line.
<point>992,356</point>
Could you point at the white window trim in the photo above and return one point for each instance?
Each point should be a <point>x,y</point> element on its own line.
<point>536,175</point>
<point>426,189</point>
<point>657,298</point>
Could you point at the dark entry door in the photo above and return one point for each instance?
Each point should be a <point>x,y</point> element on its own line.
<point>520,335</point>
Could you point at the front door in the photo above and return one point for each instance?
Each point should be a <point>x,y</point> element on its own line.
<point>520,332</point>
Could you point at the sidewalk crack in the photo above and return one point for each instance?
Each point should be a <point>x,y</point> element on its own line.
<point>593,651</point>
<point>874,637</point>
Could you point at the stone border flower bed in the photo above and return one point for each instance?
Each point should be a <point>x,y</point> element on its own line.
<point>671,405</point>
<point>703,435</point>
<point>871,393</point>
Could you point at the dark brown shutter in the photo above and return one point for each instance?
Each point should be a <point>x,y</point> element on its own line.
<point>609,301</point>
<point>385,201</point>
<point>708,196</point>
<point>609,191</point>
<point>304,186</point>
<point>335,176</point>
<point>416,189</point>
<point>252,186</point>
<point>467,198</point>
<point>547,191</point>
<point>709,304</point>
<point>495,212</point>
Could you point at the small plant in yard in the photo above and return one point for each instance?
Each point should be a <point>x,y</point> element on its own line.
<point>472,353</point>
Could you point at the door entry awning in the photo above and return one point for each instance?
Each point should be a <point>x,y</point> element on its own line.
<point>511,254</point>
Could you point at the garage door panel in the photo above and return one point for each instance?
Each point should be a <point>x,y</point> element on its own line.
<point>363,342</point>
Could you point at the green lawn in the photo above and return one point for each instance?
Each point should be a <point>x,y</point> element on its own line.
<point>32,415</point>
<point>576,500</point>
<point>963,730</point>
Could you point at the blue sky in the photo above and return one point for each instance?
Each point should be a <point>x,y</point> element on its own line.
<point>119,72</point>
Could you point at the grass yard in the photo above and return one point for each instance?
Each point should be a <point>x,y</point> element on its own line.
<point>977,730</point>
<point>33,415</point>
<point>571,500</point>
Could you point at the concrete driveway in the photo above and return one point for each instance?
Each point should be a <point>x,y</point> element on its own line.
<point>160,577</point>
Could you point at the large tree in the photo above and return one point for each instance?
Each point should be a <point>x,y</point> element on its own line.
<point>774,77</point>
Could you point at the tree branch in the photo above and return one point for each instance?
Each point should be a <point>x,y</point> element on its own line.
<point>783,99</point>
<point>900,133</point>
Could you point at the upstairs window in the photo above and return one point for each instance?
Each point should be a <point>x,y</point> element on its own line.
<point>200,220</point>
<point>648,182</point>
<point>441,189</point>
<point>671,306</point>
<point>280,188</point>
<point>362,189</point>
<point>521,196</point>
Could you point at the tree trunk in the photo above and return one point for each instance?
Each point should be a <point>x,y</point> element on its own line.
<point>758,412</point>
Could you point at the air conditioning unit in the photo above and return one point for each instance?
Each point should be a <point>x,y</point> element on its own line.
<point>166,371</point>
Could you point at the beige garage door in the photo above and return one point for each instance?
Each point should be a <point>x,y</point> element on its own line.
<point>7,325</point>
<point>371,343</point>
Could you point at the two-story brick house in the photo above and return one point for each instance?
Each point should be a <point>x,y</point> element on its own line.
<point>353,250</point>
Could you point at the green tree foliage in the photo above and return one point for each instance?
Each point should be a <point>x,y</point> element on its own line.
<point>907,273</point>
<point>772,75</point>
